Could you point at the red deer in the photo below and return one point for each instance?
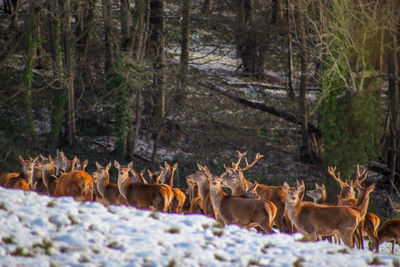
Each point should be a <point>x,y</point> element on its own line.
<point>235,180</point>
<point>322,220</point>
<point>108,192</point>
<point>78,184</point>
<point>245,212</point>
<point>389,231</point>
<point>143,196</point>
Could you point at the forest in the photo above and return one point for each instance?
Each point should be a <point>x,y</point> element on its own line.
<point>308,84</point>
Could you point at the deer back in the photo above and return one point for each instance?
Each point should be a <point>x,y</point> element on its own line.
<point>78,184</point>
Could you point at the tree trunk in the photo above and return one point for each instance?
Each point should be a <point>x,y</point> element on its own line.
<point>32,44</point>
<point>69,58</point>
<point>125,24</point>
<point>206,8</point>
<point>185,49</point>
<point>290,89</point>
<point>156,50</point>
<point>60,94</point>
<point>110,49</point>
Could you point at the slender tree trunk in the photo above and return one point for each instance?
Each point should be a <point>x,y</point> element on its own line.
<point>290,53</point>
<point>108,35</point>
<point>156,49</point>
<point>125,24</point>
<point>69,58</point>
<point>32,44</point>
<point>207,7</point>
<point>185,49</point>
<point>60,94</point>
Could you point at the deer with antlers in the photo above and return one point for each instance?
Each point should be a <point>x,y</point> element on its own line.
<point>235,180</point>
<point>143,196</point>
<point>323,220</point>
<point>246,212</point>
<point>108,192</point>
<point>370,222</point>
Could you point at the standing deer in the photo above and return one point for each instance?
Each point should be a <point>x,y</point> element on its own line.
<point>200,179</point>
<point>46,167</point>
<point>245,212</point>
<point>108,192</point>
<point>195,199</point>
<point>370,222</point>
<point>167,177</point>
<point>235,180</point>
<point>322,220</point>
<point>143,196</point>
<point>389,231</point>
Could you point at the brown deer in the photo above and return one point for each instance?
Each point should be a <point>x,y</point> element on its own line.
<point>78,184</point>
<point>322,220</point>
<point>318,194</point>
<point>49,180</point>
<point>195,199</point>
<point>200,179</point>
<point>370,222</point>
<point>108,192</point>
<point>23,180</point>
<point>389,231</point>
<point>143,196</point>
<point>167,177</point>
<point>245,212</point>
<point>235,180</point>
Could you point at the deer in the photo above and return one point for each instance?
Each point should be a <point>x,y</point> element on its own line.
<point>245,212</point>
<point>167,177</point>
<point>322,220</point>
<point>195,199</point>
<point>142,196</point>
<point>235,180</point>
<point>370,222</point>
<point>23,179</point>
<point>108,192</point>
<point>389,231</point>
<point>49,180</point>
<point>199,178</point>
<point>78,184</point>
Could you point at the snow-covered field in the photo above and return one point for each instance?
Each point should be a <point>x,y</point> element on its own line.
<point>43,231</point>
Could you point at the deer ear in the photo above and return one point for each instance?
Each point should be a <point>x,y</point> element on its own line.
<point>130,165</point>
<point>175,166</point>
<point>21,159</point>
<point>35,159</point>
<point>142,172</point>
<point>108,166</point>
<point>286,186</point>
<point>323,187</point>
<point>300,187</point>
<point>85,163</point>
<point>98,166</point>
<point>199,166</point>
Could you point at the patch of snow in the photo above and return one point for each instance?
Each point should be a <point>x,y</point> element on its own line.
<point>41,231</point>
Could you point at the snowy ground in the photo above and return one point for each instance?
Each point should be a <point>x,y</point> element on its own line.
<point>44,231</point>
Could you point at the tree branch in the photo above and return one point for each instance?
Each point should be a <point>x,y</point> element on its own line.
<point>260,106</point>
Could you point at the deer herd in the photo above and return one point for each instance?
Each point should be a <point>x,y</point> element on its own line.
<point>249,204</point>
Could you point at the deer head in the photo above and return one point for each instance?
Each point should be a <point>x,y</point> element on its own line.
<point>234,177</point>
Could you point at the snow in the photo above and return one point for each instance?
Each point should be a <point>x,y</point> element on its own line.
<point>44,231</point>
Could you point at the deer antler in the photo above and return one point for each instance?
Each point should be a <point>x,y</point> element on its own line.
<point>241,155</point>
<point>364,173</point>
<point>337,178</point>
<point>248,166</point>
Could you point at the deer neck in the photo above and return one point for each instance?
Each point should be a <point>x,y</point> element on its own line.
<point>322,199</point>
<point>241,189</point>
<point>216,196</point>
<point>363,205</point>
<point>204,188</point>
<point>293,209</point>
<point>123,183</point>
<point>102,184</point>
<point>46,176</point>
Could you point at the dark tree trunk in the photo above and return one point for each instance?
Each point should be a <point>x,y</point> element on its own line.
<point>157,54</point>
<point>185,49</point>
